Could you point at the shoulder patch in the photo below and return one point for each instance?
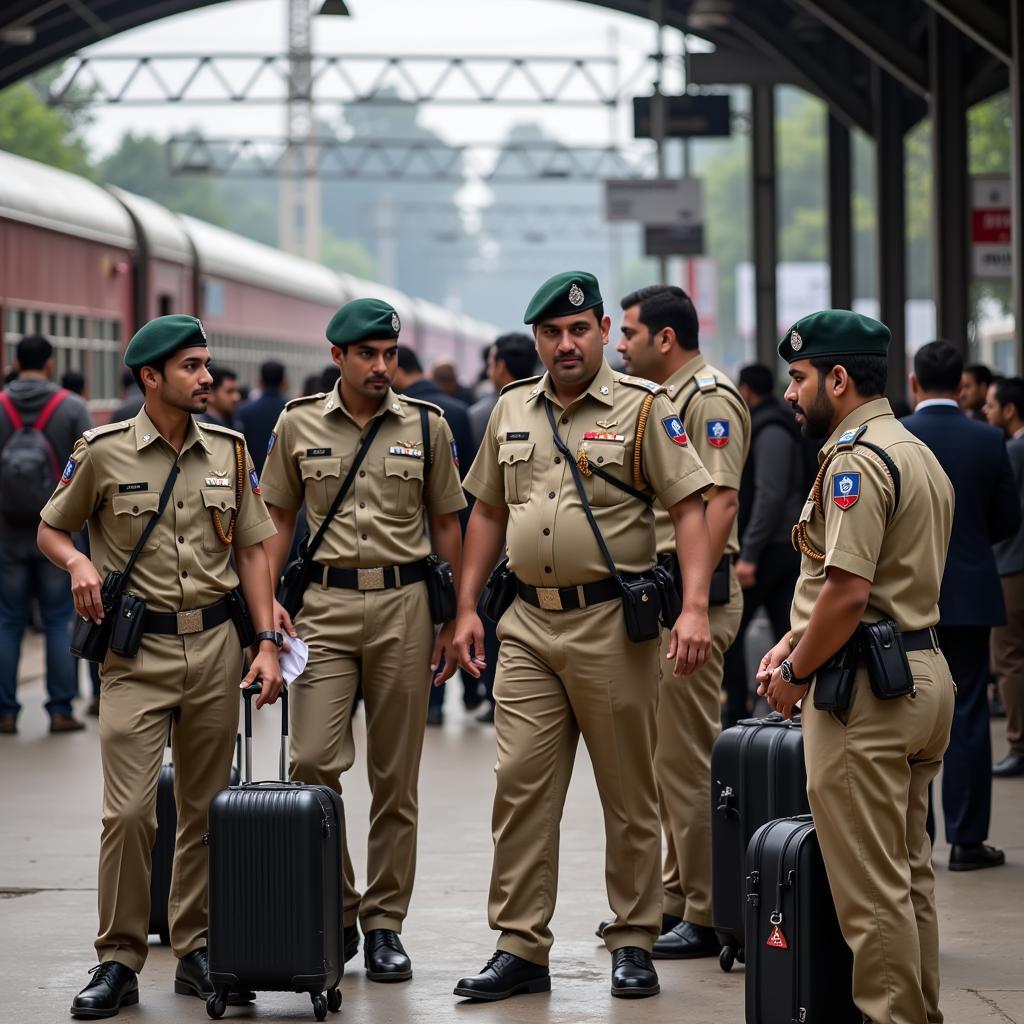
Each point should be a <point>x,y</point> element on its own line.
<point>419,401</point>
<point>305,399</point>
<point>718,433</point>
<point>845,489</point>
<point>217,428</point>
<point>849,438</point>
<point>640,382</point>
<point>519,383</point>
<point>706,382</point>
<point>95,433</point>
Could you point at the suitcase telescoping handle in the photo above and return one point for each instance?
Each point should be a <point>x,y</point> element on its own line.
<point>253,690</point>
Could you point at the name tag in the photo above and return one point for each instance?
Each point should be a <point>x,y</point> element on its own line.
<point>217,481</point>
<point>412,453</point>
<point>313,453</point>
<point>517,435</point>
<point>598,435</point>
<point>129,488</point>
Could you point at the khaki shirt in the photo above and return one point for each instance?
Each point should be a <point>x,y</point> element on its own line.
<point>903,555</point>
<point>113,482</point>
<point>550,542</point>
<point>380,522</point>
<point>718,426</point>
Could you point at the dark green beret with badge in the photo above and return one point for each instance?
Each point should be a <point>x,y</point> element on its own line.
<point>162,337</point>
<point>563,295</point>
<point>363,320</point>
<point>832,333</point>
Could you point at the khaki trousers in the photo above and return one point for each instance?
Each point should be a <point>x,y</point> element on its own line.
<point>689,720</point>
<point>1008,660</point>
<point>561,674</point>
<point>867,783</point>
<point>196,675</point>
<point>382,639</point>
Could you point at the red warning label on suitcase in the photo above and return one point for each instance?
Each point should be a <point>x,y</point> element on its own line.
<point>777,940</point>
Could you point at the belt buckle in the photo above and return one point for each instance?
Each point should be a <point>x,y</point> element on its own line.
<point>370,579</point>
<point>549,599</point>
<point>190,621</point>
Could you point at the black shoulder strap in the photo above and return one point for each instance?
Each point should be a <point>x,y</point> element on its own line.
<point>425,427</point>
<point>318,537</point>
<point>889,465</point>
<point>578,478</point>
<point>165,496</point>
<point>628,488</point>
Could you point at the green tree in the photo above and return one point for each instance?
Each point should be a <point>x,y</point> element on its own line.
<point>29,128</point>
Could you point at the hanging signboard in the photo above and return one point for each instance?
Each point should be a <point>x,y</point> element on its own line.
<point>992,253</point>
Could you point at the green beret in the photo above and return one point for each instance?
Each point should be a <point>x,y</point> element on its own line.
<point>563,295</point>
<point>834,332</point>
<point>363,320</point>
<point>161,337</point>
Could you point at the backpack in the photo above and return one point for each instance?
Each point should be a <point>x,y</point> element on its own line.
<point>29,470</point>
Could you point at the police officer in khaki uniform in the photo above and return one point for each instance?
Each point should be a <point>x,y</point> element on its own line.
<point>566,664</point>
<point>873,536</point>
<point>365,615</point>
<point>190,661</point>
<point>660,341</point>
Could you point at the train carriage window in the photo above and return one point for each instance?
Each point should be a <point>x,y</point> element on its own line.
<point>164,305</point>
<point>67,328</point>
<point>21,322</point>
<point>115,330</point>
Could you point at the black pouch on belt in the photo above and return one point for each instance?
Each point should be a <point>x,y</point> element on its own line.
<point>440,589</point>
<point>126,625</point>
<point>90,641</point>
<point>499,591</point>
<point>833,682</point>
<point>881,645</point>
<point>240,617</point>
<point>641,606</point>
<point>666,576</point>
<point>718,593</point>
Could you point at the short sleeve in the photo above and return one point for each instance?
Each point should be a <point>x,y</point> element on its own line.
<point>858,496</point>
<point>444,492</point>
<point>254,522</point>
<point>281,484</point>
<point>74,499</point>
<point>671,465</point>
<point>718,433</point>
<point>484,479</point>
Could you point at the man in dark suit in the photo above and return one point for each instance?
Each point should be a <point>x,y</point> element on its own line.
<point>259,415</point>
<point>987,509</point>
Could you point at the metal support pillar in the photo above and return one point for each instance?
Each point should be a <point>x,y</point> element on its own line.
<point>891,214</point>
<point>950,234</point>
<point>299,228</point>
<point>840,221</point>
<point>762,108</point>
<point>1017,146</point>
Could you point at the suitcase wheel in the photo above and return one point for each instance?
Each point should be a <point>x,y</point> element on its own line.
<point>216,1005</point>
<point>334,1000</point>
<point>726,958</point>
<point>740,956</point>
<point>319,1006</point>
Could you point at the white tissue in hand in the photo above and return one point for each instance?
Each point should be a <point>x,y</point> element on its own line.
<point>294,661</point>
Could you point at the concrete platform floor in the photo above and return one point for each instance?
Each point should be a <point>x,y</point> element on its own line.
<point>49,829</point>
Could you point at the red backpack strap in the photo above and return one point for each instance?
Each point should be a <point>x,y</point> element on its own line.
<point>49,409</point>
<point>17,423</point>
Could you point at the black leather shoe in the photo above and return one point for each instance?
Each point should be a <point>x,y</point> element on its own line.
<point>384,956</point>
<point>351,937</point>
<point>113,985</point>
<point>668,922</point>
<point>435,716</point>
<point>1010,767</point>
<point>505,975</point>
<point>633,974</point>
<point>192,978</point>
<point>686,942</point>
<point>973,858</point>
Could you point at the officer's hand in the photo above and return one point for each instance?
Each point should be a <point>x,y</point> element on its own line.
<point>782,696</point>
<point>690,644</point>
<point>445,659</point>
<point>283,624</point>
<point>770,662</point>
<point>746,573</point>
<point>86,588</point>
<point>469,635</point>
<point>267,669</point>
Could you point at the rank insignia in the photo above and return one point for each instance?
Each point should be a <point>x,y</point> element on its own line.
<point>718,433</point>
<point>455,454</point>
<point>606,424</point>
<point>603,435</point>
<point>270,443</point>
<point>254,481</point>
<point>216,481</point>
<point>845,489</point>
<point>69,472</point>
<point>401,449</point>
<point>674,428</point>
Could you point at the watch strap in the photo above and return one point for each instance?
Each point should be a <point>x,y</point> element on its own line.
<point>270,634</point>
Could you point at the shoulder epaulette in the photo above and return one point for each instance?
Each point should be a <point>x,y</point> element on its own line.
<point>640,382</point>
<point>706,382</point>
<point>94,433</point>
<point>849,438</point>
<point>221,429</point>
<point>303,399</point>
<point>519,383</point>
<point>420,401</point>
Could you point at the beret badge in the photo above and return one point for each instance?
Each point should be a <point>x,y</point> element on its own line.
<point>396,324</point>
<point>576,295</point>
<point>795,341</point>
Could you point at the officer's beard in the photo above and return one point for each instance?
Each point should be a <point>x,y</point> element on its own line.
<point>818,415</point>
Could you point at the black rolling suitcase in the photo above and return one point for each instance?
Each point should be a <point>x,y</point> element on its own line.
<point>275,886</point>
<point>163,845</point>
<point>757,774</point>
<point>799,969</point>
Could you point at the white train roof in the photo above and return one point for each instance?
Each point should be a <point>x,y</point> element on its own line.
<point>165,235</point>
<point>33,193</point>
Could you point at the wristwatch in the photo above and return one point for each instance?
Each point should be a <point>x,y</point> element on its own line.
<point>271,634</point>
<point>789,676</point>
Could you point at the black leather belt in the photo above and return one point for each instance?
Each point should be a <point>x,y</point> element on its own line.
<point>921,640</point>
<point>383,578</point>
<point>567,599</point>
<point>195,620</point>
